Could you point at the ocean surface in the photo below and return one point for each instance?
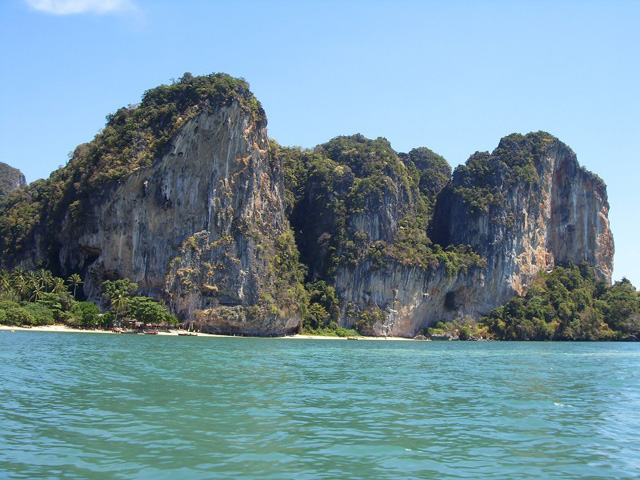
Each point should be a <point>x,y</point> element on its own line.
<point>77,405</point>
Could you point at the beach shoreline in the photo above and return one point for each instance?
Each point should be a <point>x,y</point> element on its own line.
<point>175,332</point>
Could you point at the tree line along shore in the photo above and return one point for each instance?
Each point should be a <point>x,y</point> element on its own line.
<point>568,303</point>
<point>39,298</point>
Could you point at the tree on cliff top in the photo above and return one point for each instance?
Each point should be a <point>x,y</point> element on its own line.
<point>482,179</point>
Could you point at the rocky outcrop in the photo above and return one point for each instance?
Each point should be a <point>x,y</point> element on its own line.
<point>202,228</point>
<point>533,208</point>
<point>184,195</point>
<point>535,215</point>
<point>405,298</point>
<point>355,197</point>
<point>10,179</point>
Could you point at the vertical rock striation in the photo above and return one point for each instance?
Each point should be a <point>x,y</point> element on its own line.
<point>199,226</point>
<point>202,225</point>
<point>534,208</point>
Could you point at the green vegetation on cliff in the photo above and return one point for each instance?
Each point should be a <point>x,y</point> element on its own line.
<point>354,199</point>
<point>131,139</point>
<point>135,135</point>
<point>283,292</point>
<point>483,179</point>
<point>10,179</point>
<point>429,170</point>
<point>356,209</point>
<point>569,303</point>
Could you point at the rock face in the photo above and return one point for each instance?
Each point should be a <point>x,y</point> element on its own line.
<point>352,202</point>
<point>10,179</point>
<point>193,211</point>
<point>201,227</point>
<point>557,212</point>
<point>534,208</point>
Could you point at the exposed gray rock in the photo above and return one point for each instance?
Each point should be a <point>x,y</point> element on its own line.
<point>204,227</point>
<point>560,216</point>
<point>198,227</point>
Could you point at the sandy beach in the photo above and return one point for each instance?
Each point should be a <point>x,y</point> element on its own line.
<point>320,337</point>
<point>66,329</point>
<point>49,328</point>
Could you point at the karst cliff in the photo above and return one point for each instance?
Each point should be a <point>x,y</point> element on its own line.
<point>196,219</point>
<point>524,208</point>
<point>186,195</point>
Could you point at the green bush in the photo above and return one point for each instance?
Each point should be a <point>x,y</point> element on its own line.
<point>107,320</point>
<point>85,315</point>
<point>569,303</point>
<point>41,314</point>
<point>19,316</point>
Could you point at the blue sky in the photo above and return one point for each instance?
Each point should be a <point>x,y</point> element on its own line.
<point>454,76</point>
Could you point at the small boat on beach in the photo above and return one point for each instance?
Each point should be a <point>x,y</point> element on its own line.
<point>188,334</point>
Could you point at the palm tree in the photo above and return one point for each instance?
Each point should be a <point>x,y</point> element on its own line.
<point>74,281</point>
<point>58,285</point>
<point>119,293</point>
<point>32,289</point>
<point>18,272</point>
<point>36,291</point>
<point>5,282</point>
<point>20,282</point>
<point>120,305</point>
<point>45,278</point>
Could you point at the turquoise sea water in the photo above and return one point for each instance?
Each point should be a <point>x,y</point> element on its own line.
<point>110,406</point>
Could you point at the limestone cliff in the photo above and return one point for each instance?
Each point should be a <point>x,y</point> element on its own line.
<point>202,226</point>
<point>539,209</point>
<point>185,195</point>
<point>10,179</point>
<point>355,195</point>
<point>526,207</point>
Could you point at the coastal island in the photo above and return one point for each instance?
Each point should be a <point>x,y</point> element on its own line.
<point>182,210</point>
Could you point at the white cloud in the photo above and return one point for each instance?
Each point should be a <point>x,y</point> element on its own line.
<point>75,7</point>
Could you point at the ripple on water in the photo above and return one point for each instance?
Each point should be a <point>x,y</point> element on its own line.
<point>89,406</point>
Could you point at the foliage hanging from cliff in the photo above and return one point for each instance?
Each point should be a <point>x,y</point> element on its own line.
<point>283,292</point>
<point>336,192</point>
<point>131,139</point>
<point>569,303</point>
<point>485,177</point>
